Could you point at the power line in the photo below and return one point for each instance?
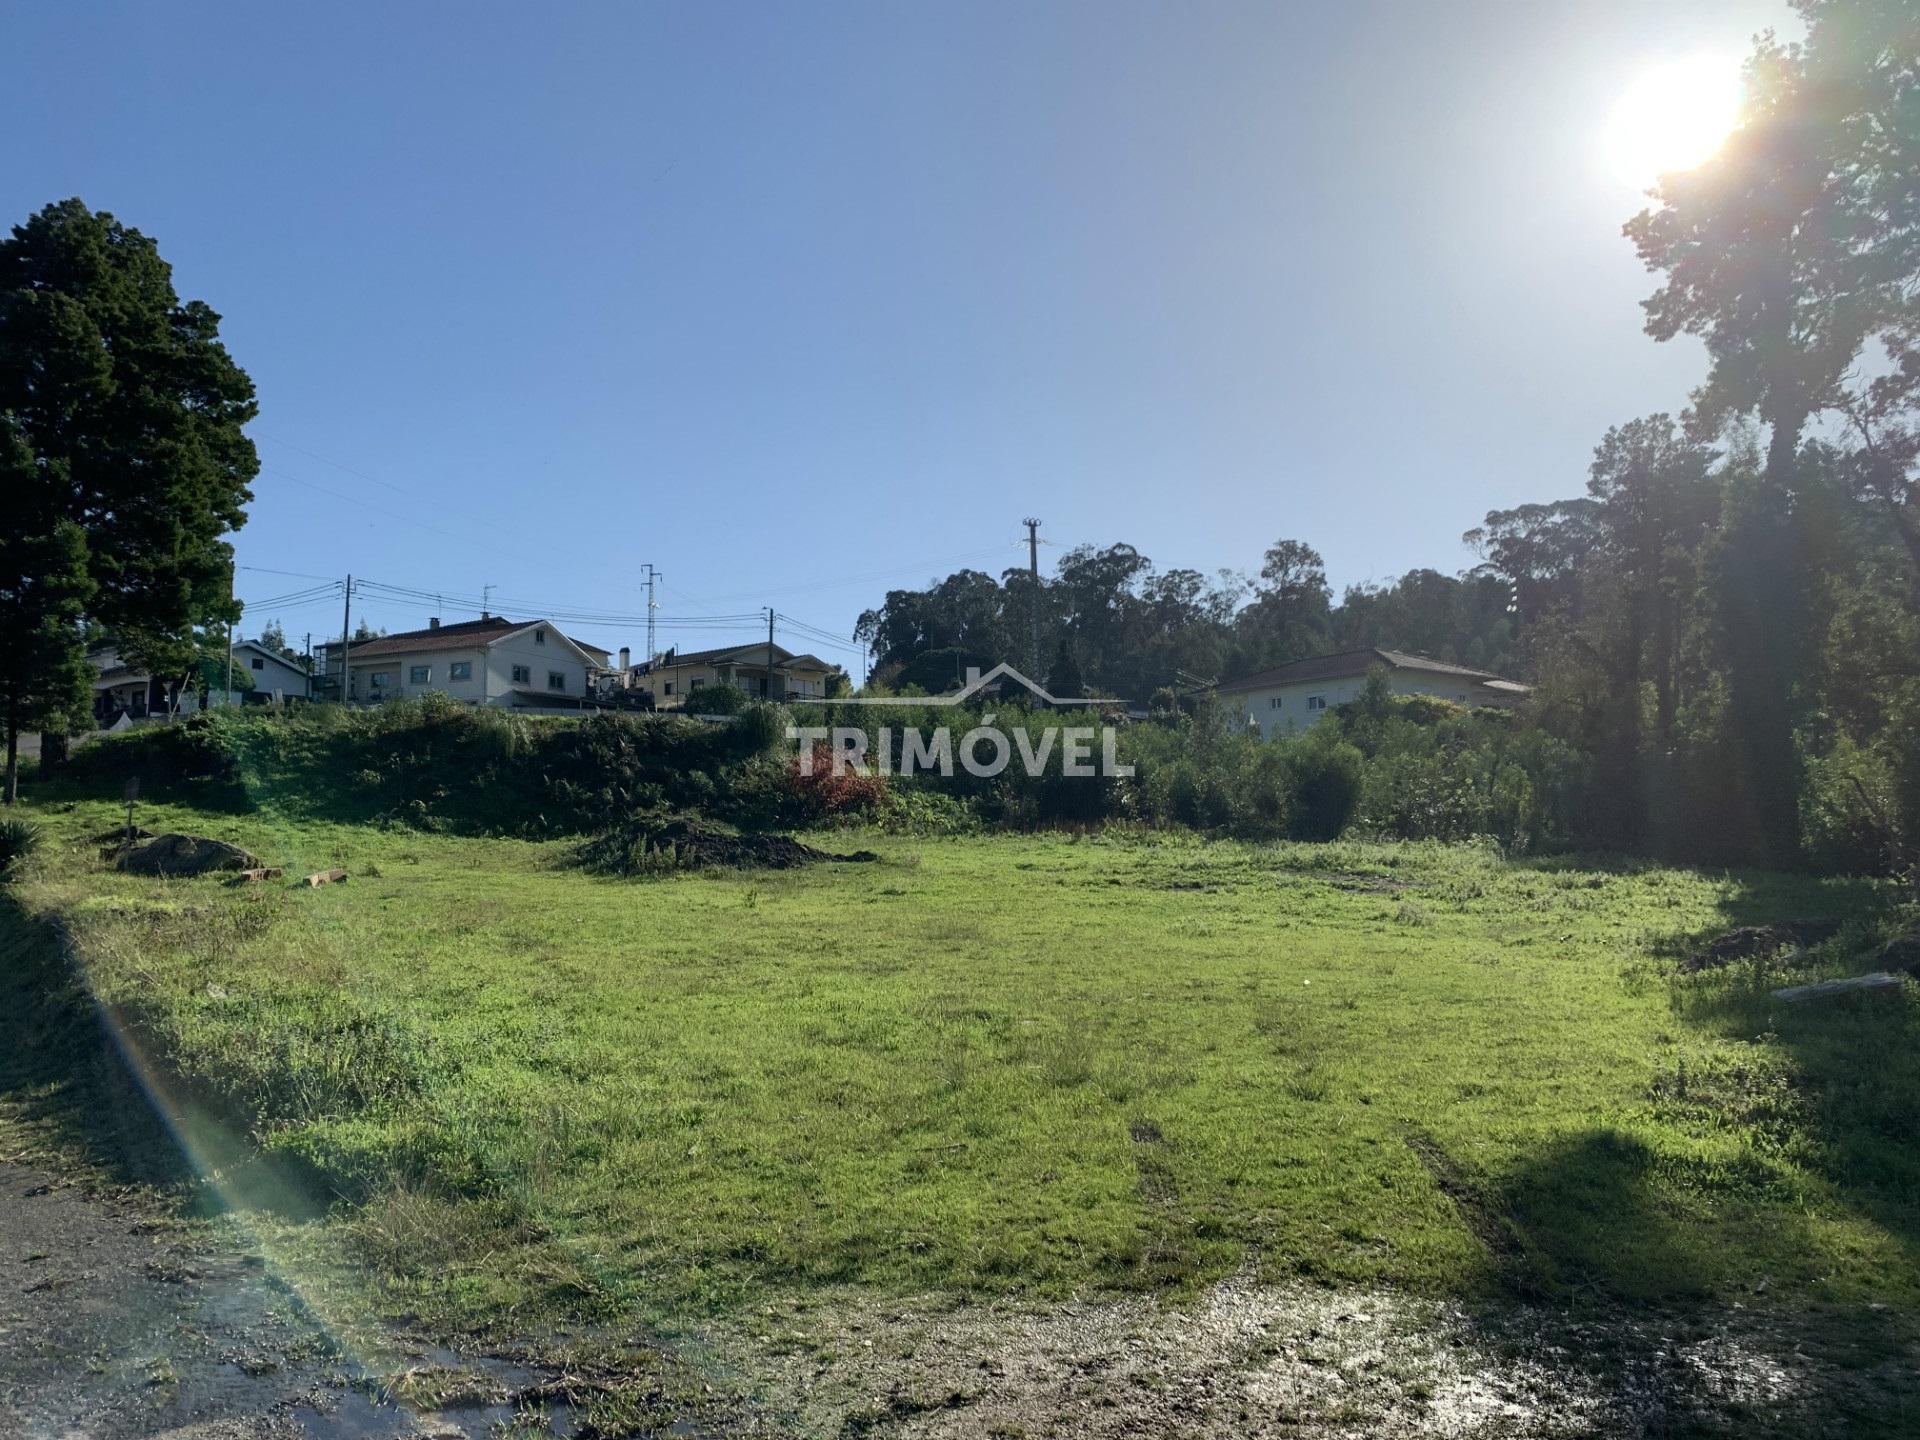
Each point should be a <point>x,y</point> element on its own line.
<point>371,479</point>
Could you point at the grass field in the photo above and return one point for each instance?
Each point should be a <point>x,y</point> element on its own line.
<point>1039,1064</point>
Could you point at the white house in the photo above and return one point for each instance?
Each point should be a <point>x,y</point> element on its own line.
<point>525,664</point>
<point>272,673</point>
<point>1292,697</point>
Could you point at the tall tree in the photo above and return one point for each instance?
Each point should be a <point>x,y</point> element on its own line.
<point>44,587</point>
<point>132,409</point>
<point>1786,254</point>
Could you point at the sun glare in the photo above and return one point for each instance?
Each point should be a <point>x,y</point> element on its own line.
<point>1673,117</point>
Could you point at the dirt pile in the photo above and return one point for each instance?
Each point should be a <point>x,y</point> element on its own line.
<point>646,846</point>
<point>1900,954</point>
<point>1750,940</point>
<point>184,855</point>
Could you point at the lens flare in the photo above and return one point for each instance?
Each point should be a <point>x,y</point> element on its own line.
<point>1673,117</point>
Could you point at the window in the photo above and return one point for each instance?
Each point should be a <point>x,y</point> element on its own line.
<point>1273,703</point>
<point>460,670</point>
<point>419,674</point>
<point>539,637</point>
<point>522,675</point>
<point>667,689</point>
<point>382,679</point>
<point>1316,702</point>
<point>260,664</point>
<point>556,680</point>
<point>694,686</point>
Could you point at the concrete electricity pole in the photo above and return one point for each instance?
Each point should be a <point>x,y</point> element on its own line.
<point>769,690</point>
<point>346,643</point>
<point>226,680</point>
<point>1033,599</point>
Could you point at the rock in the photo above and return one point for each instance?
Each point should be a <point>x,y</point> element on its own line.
<point>184,855</point>
<point>1877,983</point>
<point>1750,940</point>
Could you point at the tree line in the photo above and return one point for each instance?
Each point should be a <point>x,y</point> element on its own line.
<point>1726,618</point>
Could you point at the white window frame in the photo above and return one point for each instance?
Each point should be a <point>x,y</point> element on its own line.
<point>1316,702</point>
<point>459,670</point>
<point>557,681</point>
<point>523,675</point>
<point>419,674</point>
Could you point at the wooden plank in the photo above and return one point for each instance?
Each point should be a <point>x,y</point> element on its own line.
<point>265,872</point>
<point>325,877</point>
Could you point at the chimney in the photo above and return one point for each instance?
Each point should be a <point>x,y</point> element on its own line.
<point>973,674</point>
<point>626,658</point>
<point>433,622</point>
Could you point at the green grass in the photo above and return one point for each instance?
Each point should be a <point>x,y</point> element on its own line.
<point>1038,1064</point>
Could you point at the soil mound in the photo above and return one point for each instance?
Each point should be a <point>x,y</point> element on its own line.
<point>645,846</point>
<point>184,855</point>
<point>1751,940</point>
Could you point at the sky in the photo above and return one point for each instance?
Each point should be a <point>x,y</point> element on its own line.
<point>800,303</point>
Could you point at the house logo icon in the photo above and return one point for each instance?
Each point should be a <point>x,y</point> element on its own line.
<point>1000,678</point>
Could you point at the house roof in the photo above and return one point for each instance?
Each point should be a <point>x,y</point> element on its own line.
<point>474,632</point>
<point>754,652</point>
<point>457,636</point>
<point>1359,662</point>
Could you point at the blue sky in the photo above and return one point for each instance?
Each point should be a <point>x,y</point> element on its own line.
<point>803,301</point>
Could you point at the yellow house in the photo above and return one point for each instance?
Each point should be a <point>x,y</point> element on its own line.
<point>676,677</point>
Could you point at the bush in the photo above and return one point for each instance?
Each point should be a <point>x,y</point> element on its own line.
<point>1327,776</point>
<point>18,840</point>
<point>717,700</point>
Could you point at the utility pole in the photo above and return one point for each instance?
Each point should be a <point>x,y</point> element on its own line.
<point>226,680</point>
<point>769,691</point>
<point>652,575</point>
<point>346,642</point>
<point>1033,586</point>
<point>308,666</point>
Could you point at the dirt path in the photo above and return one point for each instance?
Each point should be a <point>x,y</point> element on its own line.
<point>116,1320</point>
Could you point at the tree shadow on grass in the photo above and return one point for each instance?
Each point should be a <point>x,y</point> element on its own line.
<point>1615,1258</point>
<point>73,1088</point>
<point>63,1080</point>
<point>1851,1085</point>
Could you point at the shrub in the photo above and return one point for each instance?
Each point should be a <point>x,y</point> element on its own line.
<point>717,700</point>
<point>1327,776</point>
<point>18,840</point>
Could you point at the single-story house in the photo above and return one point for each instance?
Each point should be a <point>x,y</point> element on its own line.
<point>523,664</point>
<point>1292,697</point>
<point>272,674</point>
<point>674,677</point>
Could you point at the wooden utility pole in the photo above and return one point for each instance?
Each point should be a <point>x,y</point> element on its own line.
<point>1033,597</point>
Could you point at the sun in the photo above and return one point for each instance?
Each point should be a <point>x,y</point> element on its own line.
<point>1673,117</point>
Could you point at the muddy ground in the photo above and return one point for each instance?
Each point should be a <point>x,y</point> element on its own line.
<point>118,1319</point>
